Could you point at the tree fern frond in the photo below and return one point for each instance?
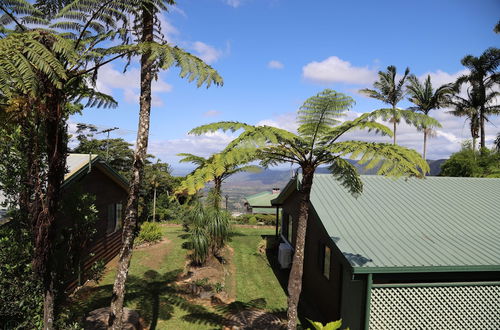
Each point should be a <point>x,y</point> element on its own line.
<point>347,175</point>
<point>395,160</point>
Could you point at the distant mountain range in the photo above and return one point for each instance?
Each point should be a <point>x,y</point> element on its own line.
<point>279,178</point>
<point>241,185</point>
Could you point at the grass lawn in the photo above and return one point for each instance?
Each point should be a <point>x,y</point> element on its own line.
<point>154,269</point>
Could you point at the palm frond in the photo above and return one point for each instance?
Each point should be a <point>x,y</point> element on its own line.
<point>394,160</point>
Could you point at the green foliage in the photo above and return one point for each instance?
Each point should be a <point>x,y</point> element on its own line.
<point>335,325</point>
<point>254,219</point>
<point>318,143</point>
<point>209,229</point>
<point>216,168</point>
<point>470,163</point>
<point>150,232</point>
<point>218,287</point>
<point>96,272</point>
<point>21,296</point>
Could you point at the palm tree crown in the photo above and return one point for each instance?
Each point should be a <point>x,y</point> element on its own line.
<point>426,99</point>
<point>390,90</point>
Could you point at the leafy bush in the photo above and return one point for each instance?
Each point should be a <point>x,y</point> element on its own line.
<point>150,233</point>
<point>329,326</point>
<point>470,163</point>
<point>253,219</point>
<point>20,294</point>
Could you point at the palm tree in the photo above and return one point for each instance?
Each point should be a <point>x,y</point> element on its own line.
<point>317,143</point>
<point>482,79</point>
<point>470,108</point>
<point>391,91</point>
<point>155,55</point>
<point>496,143</point>
<point>426,99</point>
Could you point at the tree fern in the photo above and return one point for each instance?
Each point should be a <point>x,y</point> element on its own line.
<point>317,144</point>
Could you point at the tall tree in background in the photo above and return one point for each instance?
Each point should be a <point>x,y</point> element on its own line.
<point>426,99</point>
<point>467,107</point>
<point>482,80</point>
<point>390,90</point>
<point>317,143</point>
<point>156,55</point>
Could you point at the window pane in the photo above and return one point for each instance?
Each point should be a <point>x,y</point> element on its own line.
<point>119,215</point>
<point>326,263</point>
<point>111,218</point>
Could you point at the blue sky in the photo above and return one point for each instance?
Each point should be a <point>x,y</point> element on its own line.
<point>273,54</point>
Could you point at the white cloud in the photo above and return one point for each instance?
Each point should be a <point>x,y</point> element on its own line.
<point>275,65</point>
<point>448,139</point>
<point>211,113</point>
<point>285,121</point>
<point>168,29</point>
<point>336,70</point>
<point>207,53</point>
<point>110,79</point>
<point>439,77</point>
<point>203,145</point>
<point>233,3</point>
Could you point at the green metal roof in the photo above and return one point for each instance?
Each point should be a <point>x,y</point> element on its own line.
<point>407,225</point>
<point>260,199</point>
<point>261,202</point>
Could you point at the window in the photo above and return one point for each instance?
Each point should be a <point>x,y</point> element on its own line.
<point>325,254</point>
<point>115,213</point>
<point>290,229</point>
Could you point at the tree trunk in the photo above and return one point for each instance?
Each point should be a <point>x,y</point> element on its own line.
<point>44,225</point>
<point>482,143</point>
<point>394,138</point>
<point>425,144</point>
<point>295,279</point>
<point>131,211</point>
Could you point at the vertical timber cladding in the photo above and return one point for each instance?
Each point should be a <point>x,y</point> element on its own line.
<point>463,306</point>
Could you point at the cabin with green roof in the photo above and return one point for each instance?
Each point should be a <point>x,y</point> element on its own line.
<point>92,175</point>
<point>260,203</point>
<point>405,254</point>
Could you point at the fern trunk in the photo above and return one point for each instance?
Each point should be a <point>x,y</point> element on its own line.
<point>131,211</point>
<point>44,224</point>
<point>295,279</point>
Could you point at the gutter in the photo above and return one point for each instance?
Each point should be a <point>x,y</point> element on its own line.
<point>369,284</point>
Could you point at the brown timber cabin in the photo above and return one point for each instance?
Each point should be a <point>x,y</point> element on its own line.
<point>405,254</point>
<point>90,174</point>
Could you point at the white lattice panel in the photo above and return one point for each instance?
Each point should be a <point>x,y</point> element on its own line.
<point>440,308</point>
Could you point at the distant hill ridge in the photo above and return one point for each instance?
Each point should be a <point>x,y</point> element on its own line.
<point>279,178</point>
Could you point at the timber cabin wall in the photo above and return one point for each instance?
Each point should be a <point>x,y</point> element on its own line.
<point>320,293</point>
<point>106,245</point>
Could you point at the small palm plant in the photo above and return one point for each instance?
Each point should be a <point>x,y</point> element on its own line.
<point>317,143</point>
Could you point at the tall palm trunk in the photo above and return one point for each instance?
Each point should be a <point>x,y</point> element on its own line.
<point>395,123</point>
<point>482,143</point>
<point>131,211</point>
<point>295,279</point>
<point>425,144</point>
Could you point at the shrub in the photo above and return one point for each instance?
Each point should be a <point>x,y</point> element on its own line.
<point>21,296</point>
<point>253,219</point>
<point>150,233</point>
